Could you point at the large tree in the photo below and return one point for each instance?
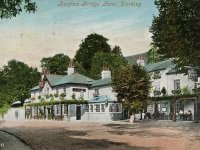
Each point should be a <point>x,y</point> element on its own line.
<point>57,64</point>
<point>90,45</point>
<point>12,8</point>
<point>176,30</point>
<point>17,78</point>
<point>153,56</point>
<point>132,86</point>
<point>108,60</point>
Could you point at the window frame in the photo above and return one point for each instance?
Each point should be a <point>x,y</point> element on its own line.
<point>177,84</point>
<point>97,109</point>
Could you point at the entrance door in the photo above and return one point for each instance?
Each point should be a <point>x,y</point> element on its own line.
<point>78,112</point>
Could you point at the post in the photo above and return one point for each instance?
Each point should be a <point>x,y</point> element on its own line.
<point>61,111</point>
<point>25,112</point>
<point>37,112</point>
<point>196,110</point>
<point>174,114</point>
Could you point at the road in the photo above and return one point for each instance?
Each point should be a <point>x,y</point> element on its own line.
<point>9,142</point>
<point>116,135</point>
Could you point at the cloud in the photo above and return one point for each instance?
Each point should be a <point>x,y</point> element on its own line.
<point>52,31</point>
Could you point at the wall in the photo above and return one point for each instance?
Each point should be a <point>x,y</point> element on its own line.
<point>103,90</point>
<point>105,116</point>
<point>184,81</point>
<point>15,114</point>
<point>60,89</point>
<point>167,81</point>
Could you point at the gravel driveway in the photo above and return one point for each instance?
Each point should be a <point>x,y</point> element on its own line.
<point>148,135</point>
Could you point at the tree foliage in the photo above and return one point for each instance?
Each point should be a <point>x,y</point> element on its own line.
<point>153,56</point>
<point>12,8</point>
<point>109,60</point>
<point>57,64</point>
<point>132,86</point>
<point>90,45</point>
<point>117,50</point>
<point>18,78</point>
<point>176,30</point>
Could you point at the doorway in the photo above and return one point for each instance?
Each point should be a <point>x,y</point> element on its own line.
<point>78,112</point>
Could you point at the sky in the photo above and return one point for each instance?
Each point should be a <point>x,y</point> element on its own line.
<point>59,26</point>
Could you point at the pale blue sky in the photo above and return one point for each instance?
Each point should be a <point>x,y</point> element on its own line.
<point>59,29</point>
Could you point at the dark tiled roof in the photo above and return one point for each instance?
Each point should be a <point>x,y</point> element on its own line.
<point>53,79</point>
<point>172,70</point>
<point>76,79</point>
<point>159,65</point>
<point>101,82</point>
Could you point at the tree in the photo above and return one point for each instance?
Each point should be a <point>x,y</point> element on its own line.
<point>90,45</point>
<point>57,64</point>
<point>12,8</point>
<point>109,60</point>
<point>117,50</point>
<point>153,56</point>
<point>18,79</point>
<point>176,31</point>
<point>132,86</point>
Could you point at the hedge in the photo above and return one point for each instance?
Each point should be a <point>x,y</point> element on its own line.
<point>45,103</point>
<point>172,97</point>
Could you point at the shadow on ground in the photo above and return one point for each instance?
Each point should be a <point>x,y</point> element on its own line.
<point>143,128</point>
<point>63,139</point>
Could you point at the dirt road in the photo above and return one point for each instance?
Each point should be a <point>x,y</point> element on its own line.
<point>151,135</point>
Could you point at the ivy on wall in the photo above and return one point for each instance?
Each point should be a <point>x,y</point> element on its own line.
<point>57,103</point>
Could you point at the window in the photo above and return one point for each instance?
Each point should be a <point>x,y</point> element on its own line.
<point>112,108</point>
<point>115,107</point>
<point>65,109</point>
<point>97,107</point>
<point>177,84</point>
<point>86,108</point>
<point>91,108</point>
<point>118,107</point>
<point>58,110</point>
<point>157,86</point>
<point>78,90</point>
<point>96,91</point>
<point>102,107</point>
